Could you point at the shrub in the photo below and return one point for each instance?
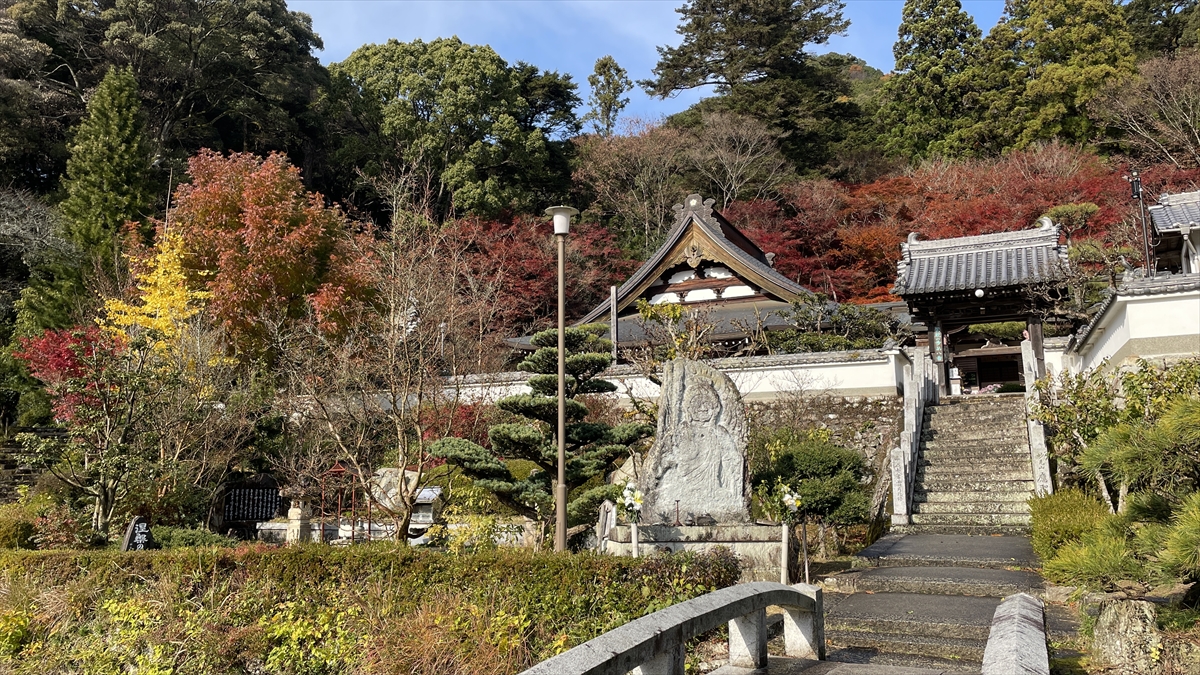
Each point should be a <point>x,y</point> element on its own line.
<point>1062,518</point>
<point>1097,561</point>
<point>181,537</point>
<point>16,526</point>
<point>319,609</point>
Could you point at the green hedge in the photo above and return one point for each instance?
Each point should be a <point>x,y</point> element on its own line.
<point>316,609</point>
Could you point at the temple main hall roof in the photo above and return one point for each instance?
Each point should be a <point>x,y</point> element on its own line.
<point>987,261</point>
<point>704,242</point>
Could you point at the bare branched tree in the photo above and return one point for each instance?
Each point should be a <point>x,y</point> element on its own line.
<point>1158,109</point>
<point>378,392</point>
<point>636,176</point>
<point>739,155</point>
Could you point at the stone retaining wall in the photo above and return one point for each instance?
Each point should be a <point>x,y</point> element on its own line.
<point>871,425</point>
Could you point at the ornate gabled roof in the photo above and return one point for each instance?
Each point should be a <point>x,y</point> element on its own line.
<point>982,261</point>
<point>702,234</point>
<point>1173,211</point>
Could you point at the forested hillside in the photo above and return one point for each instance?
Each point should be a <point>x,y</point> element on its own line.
<point>117,120</point>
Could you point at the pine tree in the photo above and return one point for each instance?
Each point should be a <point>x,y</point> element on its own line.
<point>609,83</point>
<point>592,448</point>
<point>923,101</point>
<point>108,173</point>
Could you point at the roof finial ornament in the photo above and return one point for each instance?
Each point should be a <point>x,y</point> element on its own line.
<point>696,204</point>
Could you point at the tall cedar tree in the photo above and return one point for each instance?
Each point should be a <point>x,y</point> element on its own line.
<point>108,173</point>
<point>752,51</point>
<point>107,185</point>
<point>1041,65</point>
<point>592,448</point>
<point>923,100</point>
<point>1162,26</point>
<point>609,82</point>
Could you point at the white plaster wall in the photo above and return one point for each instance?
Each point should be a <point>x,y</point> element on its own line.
<point>1140,318</point>
<point>841,378</point>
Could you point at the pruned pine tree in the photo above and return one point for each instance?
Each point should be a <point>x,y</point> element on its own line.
<point>593,449</point>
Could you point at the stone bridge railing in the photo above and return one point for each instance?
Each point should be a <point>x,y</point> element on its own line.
<point>920,390</point>
<point>655,644</point>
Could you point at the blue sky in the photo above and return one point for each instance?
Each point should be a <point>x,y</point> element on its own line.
<point>569,35</point>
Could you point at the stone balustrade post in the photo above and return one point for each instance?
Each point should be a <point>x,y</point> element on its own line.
<point>804,632</point>
<point>748,640</point>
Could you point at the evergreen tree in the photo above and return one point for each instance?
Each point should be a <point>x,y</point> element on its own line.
<point>752,51</point>
<point>1040,66</point>
<point>609,83</point>
<point>592,448</point>
<point>1075,48</point>
<point>1161,26</point>
<point>923,101</point>
<point>108,173</point>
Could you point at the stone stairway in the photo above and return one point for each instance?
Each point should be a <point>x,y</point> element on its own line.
<point>925,601</point>
<point>973,469</point>
<point>924,595</point>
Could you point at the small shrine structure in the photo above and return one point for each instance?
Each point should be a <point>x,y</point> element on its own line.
<point>951,284</point>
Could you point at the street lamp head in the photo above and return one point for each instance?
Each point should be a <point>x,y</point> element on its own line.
<point>562,218</point>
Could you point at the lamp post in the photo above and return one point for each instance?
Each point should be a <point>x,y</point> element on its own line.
<point>562,225</point>
<point>1135,184</point>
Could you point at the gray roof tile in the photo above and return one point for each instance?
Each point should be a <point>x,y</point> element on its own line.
<point>981,261</point>
<point>1171,211</point>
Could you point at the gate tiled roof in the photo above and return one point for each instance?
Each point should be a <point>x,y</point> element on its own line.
<point>982,261</point>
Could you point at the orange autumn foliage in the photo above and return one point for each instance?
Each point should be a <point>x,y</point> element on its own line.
<point>266,249</point>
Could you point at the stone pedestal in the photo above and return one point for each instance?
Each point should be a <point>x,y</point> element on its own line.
<point>298,526</point>
<point>759,546</point>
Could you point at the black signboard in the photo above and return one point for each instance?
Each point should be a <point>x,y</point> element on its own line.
<point>138,536</point>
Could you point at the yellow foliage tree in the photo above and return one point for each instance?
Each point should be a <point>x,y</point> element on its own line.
<point>165,300</point>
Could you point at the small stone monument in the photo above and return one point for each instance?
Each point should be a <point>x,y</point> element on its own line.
<point>298,527</point>
<point>138,536</point>
<point>696,470</point>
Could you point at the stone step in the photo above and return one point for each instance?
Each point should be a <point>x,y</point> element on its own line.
<point>970,519</point>
<point>980,448</point>
<point>944,626</point>
<point>970,581</point>
<point>989,468</point>
<point>897,549</point>
<point>975,433</point>
<point>964,530</point>
<point>964,496</point>
<point>965,474</point>
<point>944,483</point>
<point>993,416</point>
<point>841,661</point>
<point>971,507</point>
<point>961,650</point>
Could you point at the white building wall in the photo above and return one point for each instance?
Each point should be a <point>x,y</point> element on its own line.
<point>758,378</point>
<point>1142,326</point>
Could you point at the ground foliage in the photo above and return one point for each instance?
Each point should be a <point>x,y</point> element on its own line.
<point>315,610</point>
